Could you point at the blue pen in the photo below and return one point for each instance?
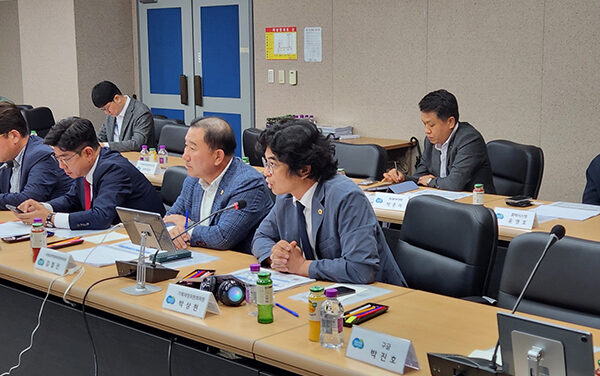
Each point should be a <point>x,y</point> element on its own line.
<point>286,309</point>
<point>187,216</point>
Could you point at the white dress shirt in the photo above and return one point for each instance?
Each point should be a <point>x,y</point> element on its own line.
<point>210,192</point>
<point>444,153</point>
<point>15,178</point>
<point>306,200</point>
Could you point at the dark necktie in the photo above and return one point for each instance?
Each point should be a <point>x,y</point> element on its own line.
<point>302,234</point>
<point>87,189</point>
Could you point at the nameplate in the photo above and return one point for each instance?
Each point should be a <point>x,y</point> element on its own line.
<point>148,168</point>
<point>55,262</point>
<point>190,301</point>
<point>524,219</point>
<point>381,350</point>
<point>389,201</point>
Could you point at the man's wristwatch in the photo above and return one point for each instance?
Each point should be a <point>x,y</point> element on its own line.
<point>429,181</point>
<point>49,222</point>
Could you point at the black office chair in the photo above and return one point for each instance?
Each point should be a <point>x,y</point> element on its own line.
<point>173,137</point>
<point>517,169</point>
<point>444,246</point>
<point>159,123</point>
<point>249,140</point>
<point>39,119</point>
<point>172,184</point>
<point>565,285</point>
<point>361,161</point>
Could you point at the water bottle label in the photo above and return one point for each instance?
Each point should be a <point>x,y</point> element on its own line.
<point>264,294</point>
<point>161,160</point>
<point>340,325</point>
<point>38,239</point>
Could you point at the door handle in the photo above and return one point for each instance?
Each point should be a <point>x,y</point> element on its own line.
<point>198,90</point>
<point>183,89</point>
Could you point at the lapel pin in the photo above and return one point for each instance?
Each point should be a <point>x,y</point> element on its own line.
<point>320,211</point>
<point>222,191</point>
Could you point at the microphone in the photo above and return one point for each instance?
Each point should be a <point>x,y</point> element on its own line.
<point>7,164</point>
<point>557,233</point>
<point>238,205</point>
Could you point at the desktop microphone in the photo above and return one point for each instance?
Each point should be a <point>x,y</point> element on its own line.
<point>238,205</point>
<point>7,164</point>
<point>557,233</point>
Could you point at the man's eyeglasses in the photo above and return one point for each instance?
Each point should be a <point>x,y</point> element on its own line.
<point>269,165</point>
<point>106,107</point>
<point>65,160</point>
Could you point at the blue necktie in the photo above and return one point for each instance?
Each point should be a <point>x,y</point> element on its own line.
<point>302,234</point>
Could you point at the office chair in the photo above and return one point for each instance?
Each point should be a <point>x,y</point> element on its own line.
<point>517,169</point>
<point>39,119</point>
<point>172,183</point>
<point>159,123</point>
<point>249,140</point>
<point>445,247</point>
<point>361,161</point>
<point>565,285</point>
<point>173,137</point>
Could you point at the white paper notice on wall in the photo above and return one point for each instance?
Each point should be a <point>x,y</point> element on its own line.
<point>313,45</point>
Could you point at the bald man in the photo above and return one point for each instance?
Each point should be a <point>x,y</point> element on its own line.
<point>216,180</point>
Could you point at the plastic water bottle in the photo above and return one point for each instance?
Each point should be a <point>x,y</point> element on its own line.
<point>144,154</point>
<point>332,321</point>
<point>37,237</point>
<point>251,290</point>
<point>264,298</point>
<point>163,158</point>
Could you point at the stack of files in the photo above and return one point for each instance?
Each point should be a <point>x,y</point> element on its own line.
<point>567,210</point>
<point>336,131</point>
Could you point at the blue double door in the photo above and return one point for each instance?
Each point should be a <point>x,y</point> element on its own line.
<point>196,60</point>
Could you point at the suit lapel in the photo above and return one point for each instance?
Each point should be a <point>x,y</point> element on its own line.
<point>223,188</point>
<point>318,211</point>
<point>126,119</point>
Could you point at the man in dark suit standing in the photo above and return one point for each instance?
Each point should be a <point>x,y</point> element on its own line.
<point>103,180</point>
<point>28,168</point>
<point>455,155</point>
<point>129,123</point>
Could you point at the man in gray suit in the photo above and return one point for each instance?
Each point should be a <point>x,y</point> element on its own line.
<point>455,155</point>
<point>322,225</point>
<point>129,123</point>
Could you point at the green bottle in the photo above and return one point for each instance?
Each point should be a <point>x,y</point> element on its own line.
<point>264,298</point>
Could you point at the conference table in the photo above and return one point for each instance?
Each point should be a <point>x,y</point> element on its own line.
<point>155,179</point>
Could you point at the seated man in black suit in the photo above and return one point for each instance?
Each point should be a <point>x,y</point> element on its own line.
<point>34,173</point>
<point>591,194</point>
<point>455,155</point>
<point>103,180</point>
<point>129,123</point>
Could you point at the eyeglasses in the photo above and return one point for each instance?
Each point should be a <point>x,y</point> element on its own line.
<point>269,165</point>
<point>67,159</point>
<point>106,107</point>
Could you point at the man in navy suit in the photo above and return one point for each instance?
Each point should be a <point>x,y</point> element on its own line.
<point>129,123</point>
<point>217,180</point>
<point>103,180</point>
<point>322,225</point>
<point>34,173</point>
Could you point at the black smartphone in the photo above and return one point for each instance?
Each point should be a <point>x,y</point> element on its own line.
<point>520,201</point>
<point>20,238</point>
<point>343,290</point>
<point>13,208</point>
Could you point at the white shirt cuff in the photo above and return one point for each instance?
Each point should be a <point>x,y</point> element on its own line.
<point>61,220</point>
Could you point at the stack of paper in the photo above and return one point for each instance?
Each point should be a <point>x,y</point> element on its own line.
<point>336,131</point>
<point>567,210</point>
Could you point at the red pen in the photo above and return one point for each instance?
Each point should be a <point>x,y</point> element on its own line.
<point>370,311</point>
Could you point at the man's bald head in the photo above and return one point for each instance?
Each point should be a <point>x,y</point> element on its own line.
<point>217,133</point>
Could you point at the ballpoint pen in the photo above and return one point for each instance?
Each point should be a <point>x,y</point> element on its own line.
<point>287,310</point>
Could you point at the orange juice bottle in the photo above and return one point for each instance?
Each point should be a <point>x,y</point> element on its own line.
<point>315,299</point>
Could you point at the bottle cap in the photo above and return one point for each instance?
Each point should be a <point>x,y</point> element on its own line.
<point>37,221</point>
<point>478,185</point>
<point>264,275</point>
<point>331,293</point>
<point>162,146</point>
<point>254,267</point>
<point>316,289</point>
<point>144,147</point>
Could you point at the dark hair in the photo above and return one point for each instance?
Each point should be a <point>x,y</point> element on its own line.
<point>72,134</point>
<point>103,93</point>
<point>299,143</point>
<point>442,102</point>
<point>217,133</point>
<point>11,118</point>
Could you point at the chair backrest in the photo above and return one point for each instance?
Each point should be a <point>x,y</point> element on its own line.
<point>159,123</point>
<point>173,137</point>
<point>249,139</point>
<point>517,169</point>
<point>172,183</point>
<point>446,247</point>
<point>39,119</point>
<point>361,161</point>
<point>565,284</point>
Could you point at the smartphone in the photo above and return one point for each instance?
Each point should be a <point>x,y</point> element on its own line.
<point>13,208</point>
<point>343,290</point>
<point>520,200</point>
<point>367,182</point>
<point>20,238</point>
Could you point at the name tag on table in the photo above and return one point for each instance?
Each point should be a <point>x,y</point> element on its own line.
<point>381,350</point>
<point>190,301</point>
<point>389,201</point>
<point>524,219</point>
<point>55,262</point>
<point>148,168</point>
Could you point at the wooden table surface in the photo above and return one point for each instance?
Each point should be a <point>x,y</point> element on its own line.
<point>157,179</point>
<point>385,143</point>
